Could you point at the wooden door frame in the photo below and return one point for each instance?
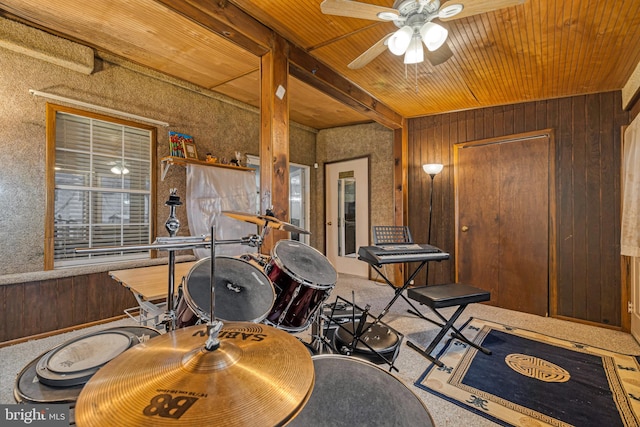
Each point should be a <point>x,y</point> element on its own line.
<point>553,264</point>
<point>626,281</point>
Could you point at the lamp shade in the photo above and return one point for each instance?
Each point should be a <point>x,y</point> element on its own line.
<point>399,41</point>
<point>415,53</point>
<point>433,168</point>
<point>433,35</point>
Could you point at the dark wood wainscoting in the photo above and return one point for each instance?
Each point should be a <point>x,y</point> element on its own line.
<point>48,305</point>
<point>587,132</point>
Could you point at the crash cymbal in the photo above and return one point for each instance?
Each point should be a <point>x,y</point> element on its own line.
<point>266,221</point>
<point>258,376</point>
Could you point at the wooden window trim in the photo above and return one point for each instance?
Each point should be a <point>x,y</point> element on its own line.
<point>50,161</point>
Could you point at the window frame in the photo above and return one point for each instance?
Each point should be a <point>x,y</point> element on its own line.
<point>50,161</point>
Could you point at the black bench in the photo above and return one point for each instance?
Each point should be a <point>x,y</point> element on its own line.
<point>441,296</point>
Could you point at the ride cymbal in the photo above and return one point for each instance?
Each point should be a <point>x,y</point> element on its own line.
<point>265,221</point>
<point>258,376</point>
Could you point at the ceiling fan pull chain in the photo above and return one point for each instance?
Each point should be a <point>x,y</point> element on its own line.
<point>416,77</point>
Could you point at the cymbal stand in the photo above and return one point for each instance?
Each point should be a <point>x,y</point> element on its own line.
<point>172,225</point>
<point>263,234</point>
<point>213,326</point>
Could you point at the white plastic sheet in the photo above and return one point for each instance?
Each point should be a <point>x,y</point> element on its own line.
<point>211,190</point>
<point>630,230</point>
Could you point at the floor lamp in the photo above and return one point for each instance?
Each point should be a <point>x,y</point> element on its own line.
<point>432,169</point>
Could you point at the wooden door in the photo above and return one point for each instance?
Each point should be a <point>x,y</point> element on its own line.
<point>502,221</point>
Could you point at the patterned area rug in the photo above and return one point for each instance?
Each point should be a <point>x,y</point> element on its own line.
<point>532,379</point>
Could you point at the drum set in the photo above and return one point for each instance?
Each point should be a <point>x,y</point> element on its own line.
<point>285,291</point>
<point>228,355</point>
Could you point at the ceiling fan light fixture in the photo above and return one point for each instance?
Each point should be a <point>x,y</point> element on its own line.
<point>399,41</point>
<point>415,53</point>
<point>433,35</point>
<point>450,10</point>
<point>119,169</point>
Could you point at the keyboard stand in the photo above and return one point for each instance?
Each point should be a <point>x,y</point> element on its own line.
<point>399,290</point>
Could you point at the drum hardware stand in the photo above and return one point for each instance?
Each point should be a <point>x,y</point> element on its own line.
<point>260,259</point>
<point>350,349</point>
<point>319,341</point>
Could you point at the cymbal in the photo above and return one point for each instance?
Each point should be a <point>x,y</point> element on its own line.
<point>266,221</point>
<point>259,375</point>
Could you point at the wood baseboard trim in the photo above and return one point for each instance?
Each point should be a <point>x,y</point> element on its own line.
<point>59,331</point>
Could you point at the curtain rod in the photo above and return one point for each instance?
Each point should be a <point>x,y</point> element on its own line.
<point>96,107</point>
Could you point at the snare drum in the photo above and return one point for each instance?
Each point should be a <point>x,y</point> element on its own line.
<point>242,293</point>
<point>350,391</point>
<point>303,278</point>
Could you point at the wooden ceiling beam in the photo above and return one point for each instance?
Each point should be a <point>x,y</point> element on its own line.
<point>324,79</point>
<point>229,21</point>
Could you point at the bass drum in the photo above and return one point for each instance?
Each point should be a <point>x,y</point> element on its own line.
<point>303,279</point>
<point>243,293</point>
<point>352,392</point>
<point>87,352</point>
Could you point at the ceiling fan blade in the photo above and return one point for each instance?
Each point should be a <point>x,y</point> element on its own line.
<point>440,55</point>
<point>354,9</point>
<point>475,7</point>
<point>370,54</point>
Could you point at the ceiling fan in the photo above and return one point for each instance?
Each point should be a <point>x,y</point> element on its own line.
<point>414,18</point>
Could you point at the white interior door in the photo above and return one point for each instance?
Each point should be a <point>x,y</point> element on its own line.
<point>347,214</point>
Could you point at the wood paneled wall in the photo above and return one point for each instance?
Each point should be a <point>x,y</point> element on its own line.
<point>48,305</point>
<point>588,158</point>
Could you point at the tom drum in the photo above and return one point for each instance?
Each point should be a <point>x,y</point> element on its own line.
<point>303,279</point>
<point>243,293</point>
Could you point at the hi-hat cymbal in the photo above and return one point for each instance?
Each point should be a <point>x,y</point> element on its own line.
<point>265,221</point>
<point>258,376</point>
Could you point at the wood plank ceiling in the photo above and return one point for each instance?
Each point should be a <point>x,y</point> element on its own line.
<point>537,50</point>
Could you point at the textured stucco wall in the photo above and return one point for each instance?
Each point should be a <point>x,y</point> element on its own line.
<point>218,127</point>
<point>351,142</point>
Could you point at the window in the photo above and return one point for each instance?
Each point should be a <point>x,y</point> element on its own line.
<point>99,187</point>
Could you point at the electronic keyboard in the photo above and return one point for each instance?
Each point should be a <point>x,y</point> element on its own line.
<point>399,253</point>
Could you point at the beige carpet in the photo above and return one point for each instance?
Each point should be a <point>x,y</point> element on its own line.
<point>410,364</point>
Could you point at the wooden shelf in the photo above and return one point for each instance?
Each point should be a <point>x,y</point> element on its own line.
<point>166,163</point>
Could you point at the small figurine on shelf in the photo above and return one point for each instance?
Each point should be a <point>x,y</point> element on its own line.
<point>211,159</point>
<point>237,160</point>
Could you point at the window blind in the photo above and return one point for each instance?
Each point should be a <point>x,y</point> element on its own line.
<point>102,189</point>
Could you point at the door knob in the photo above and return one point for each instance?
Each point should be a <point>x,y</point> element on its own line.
<point>329,223</point>
<point>465,228</point>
